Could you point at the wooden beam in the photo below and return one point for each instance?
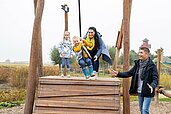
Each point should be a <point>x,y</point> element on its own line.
<point>66,26</point>
<point>119,40</point>
<point>40,62</point>
<point>159,68</point>
<point>31,86</point>
<point>126,44</point>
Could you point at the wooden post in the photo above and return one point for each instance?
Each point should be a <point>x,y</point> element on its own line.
<point>119,40</point>
<point>40,63</point>
<point>118,47</point>
<point>66,19</point>
<point>66,9</point>
<point>126,44</point>
<point>158,66</point>
<point>31,86</point>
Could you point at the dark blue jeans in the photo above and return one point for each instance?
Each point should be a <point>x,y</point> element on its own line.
<point>83,62</point>
<point>66,61</point>
<point>144,104</point>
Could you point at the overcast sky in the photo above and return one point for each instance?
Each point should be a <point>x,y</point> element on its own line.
<point>149,19</point>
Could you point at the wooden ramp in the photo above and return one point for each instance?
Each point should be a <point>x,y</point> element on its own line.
<point>75,95</point>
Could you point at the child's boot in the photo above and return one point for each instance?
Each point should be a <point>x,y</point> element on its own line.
<point>85,73</point>
<point>91,71</point>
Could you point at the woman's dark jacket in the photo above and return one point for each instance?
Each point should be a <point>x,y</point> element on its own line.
<point>149,75</point>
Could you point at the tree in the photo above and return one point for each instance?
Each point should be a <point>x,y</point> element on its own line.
<point>112,51</point>
<point>55,56</point>
<point>133,56</point>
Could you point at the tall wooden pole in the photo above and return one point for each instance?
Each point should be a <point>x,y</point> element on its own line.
<point>126,44</point>
<point>66,10</point>
<point>79,8</point>
<point>40,62</point>
<point>159,68</point>
<point>31,86</point>
<point>119,40</point>
<point>66,19</point>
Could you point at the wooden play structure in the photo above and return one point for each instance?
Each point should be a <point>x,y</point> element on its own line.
<point>75,95</point>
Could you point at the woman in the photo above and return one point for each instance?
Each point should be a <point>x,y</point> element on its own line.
<point>96,48</point>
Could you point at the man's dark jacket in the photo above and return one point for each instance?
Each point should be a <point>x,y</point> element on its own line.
<point>149,75</point>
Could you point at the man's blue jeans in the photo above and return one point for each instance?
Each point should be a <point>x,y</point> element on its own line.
<point>144,104</point>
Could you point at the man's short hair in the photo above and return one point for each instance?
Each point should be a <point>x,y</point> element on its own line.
<point>145,49</point>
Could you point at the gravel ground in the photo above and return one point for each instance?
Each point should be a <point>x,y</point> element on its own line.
<point>161,108</point>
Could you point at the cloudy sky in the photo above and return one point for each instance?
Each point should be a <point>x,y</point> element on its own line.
<point>149,19</point>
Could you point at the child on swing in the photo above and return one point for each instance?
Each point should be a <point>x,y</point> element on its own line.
<point>83,56</point>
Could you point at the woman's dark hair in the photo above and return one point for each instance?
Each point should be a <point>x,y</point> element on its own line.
<point>96,36</point>
<point>93,28</point>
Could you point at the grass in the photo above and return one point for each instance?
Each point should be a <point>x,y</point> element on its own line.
<point>16,77</point>
<point>165,99</point>
<point>10,104</point>
<point>12,97</point>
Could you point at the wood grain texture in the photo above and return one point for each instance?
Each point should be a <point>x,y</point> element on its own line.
<point>77,96</point>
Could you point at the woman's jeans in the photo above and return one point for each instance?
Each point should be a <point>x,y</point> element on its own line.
<point>144,104</point>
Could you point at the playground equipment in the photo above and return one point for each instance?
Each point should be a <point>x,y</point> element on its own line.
<point>35,56</point>
<point>77,96</point>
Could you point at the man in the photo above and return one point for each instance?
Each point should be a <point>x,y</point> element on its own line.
<point>144,79</point>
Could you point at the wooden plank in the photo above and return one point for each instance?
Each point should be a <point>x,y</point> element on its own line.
<point>77,88</point>
<point>88,104</point>
<point>78,78</point>
<point>71,91</point>
<point>52,110</point>
<point>97,97</point>
<point>78,81</point>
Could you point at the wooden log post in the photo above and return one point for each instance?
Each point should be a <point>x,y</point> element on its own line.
<point>118,46</point>
<point>119,40</point>
<point>31,86</point>
<point>159,68</point>
<point>40,62</point>
<point>66,10</point>
<point>126,44</point>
